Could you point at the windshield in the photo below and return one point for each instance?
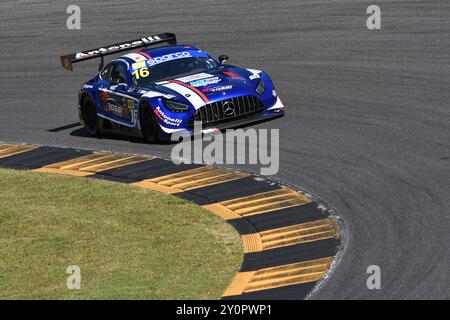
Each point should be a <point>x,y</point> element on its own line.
<point>174,69</point>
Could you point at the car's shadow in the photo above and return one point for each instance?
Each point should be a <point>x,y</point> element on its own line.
<point>83,133</point>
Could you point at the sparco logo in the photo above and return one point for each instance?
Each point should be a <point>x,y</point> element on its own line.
<point>117,47</point>
<point>168,57</point>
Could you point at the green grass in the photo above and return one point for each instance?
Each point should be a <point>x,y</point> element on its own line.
<point>130,243</point>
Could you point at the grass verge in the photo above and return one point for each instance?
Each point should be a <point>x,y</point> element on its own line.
<point>129,243</point>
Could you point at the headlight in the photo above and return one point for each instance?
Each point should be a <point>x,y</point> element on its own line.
<point>261,87</point>
<point>175,106</point>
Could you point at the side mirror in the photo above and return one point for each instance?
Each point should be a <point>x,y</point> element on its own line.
<point>223,58</point>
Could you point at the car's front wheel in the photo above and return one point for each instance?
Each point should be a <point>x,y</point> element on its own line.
<point>90,116</point>
<point>149,127</point>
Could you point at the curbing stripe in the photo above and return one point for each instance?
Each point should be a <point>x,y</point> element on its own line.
<point>286,217</point>
<point>292,292</point>
<point>74,173</point>
<point>292,235</point>
<point>6,146</point>
<point>289,243</point>
<point>258,204</point>
<point>252,242</point>
<point>280,276</point>
<point>13,149</point>
<point>300,233</point>
<point>228,190</point>
<point>156,187</point>
<point>113,163</point>
<point>148,169</point>
<point>222,211</point>
<point>190,179</point>
<point>239,283</point>
<point>40,157</point>
<point>266,202</point>
<point>268,258</point>
<point>77,163</point>
<point>90,164</point>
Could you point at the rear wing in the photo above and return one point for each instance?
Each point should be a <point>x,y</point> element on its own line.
<point>69,59</point>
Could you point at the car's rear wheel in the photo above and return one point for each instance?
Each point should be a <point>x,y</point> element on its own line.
<point>149,126</point>
<point>90,116</point>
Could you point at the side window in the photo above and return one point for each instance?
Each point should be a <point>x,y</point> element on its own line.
<point>118,73</point>
<point>106,73</point>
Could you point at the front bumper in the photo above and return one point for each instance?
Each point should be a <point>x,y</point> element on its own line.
<point>250,120</point>
<point>249,110</point>
<point>239,123</point>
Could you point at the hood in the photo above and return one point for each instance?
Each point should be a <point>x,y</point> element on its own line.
<point>215,85</point>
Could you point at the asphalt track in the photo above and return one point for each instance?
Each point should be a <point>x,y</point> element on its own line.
<point>368,123</point>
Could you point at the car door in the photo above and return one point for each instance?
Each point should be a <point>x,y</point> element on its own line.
<point>116,104</point>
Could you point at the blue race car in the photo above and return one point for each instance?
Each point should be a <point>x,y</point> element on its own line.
<point>157,92</point>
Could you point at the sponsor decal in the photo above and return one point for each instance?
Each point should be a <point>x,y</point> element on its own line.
<point>255,74</point>
<point>168,57</point>
<point>130,104</point>
<point>166,119</point>
<point>113,107</point>
<point>139,65</point>
<point>217,89</point>
<point>205,82</point>
<point>146,40</point>
<point>195,77</point>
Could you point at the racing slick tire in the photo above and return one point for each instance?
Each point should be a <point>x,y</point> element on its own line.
<point>149,127</point>
<point>90,116</point>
